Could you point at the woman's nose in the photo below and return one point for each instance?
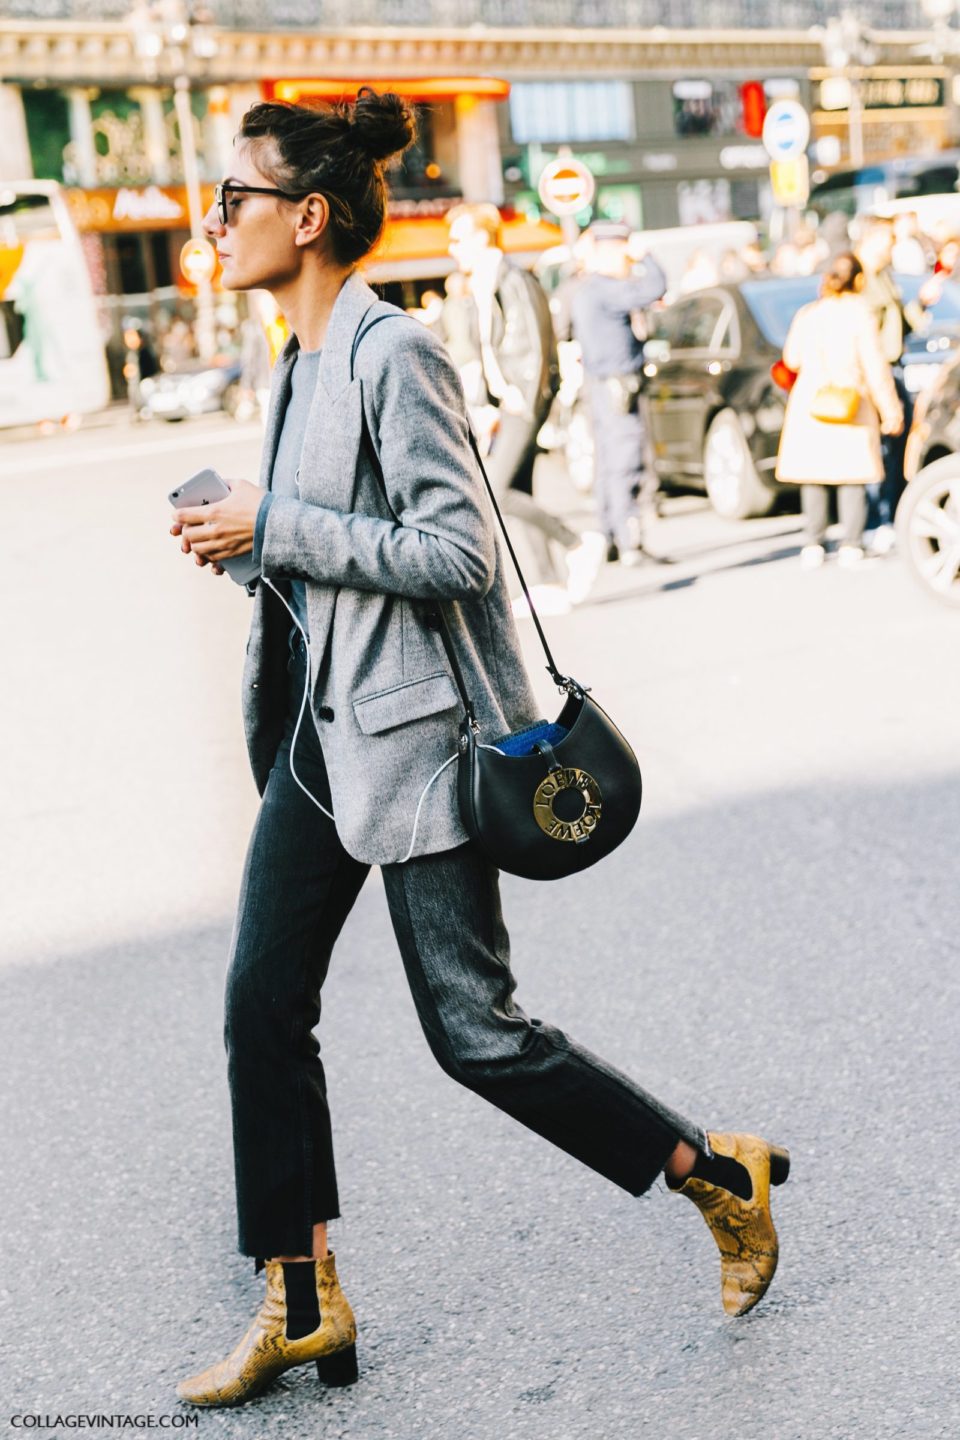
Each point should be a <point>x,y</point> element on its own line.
<point>211,224</point>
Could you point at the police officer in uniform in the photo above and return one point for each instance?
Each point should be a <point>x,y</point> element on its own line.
<point>602,304</point>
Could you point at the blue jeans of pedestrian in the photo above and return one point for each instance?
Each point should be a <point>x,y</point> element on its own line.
<point>883,496</point>
<point>299,885</point>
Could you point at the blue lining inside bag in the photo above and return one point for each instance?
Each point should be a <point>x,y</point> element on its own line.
<point>523,741</point>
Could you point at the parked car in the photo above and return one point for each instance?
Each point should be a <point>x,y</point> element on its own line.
<point>196,389</point>
<point>874,186</point>
<point>715,412</point>
<point>928,516</point>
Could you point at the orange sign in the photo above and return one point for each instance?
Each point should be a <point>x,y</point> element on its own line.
<point>482,87</point>
<point>133,207</point>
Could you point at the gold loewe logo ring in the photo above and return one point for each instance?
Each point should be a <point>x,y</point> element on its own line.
<point>557,783</point>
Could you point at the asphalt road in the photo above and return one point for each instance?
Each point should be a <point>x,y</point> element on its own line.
<point>775,949</point>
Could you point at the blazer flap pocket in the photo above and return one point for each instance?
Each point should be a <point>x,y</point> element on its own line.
<point>403,703</point>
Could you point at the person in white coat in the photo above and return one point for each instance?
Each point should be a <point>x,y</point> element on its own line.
<point>833,345</point>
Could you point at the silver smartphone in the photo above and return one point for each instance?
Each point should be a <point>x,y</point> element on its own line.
<point>206,488</point>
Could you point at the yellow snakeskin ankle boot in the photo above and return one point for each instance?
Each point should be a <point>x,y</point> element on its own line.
<point>743,1229</point>
<point>265,1352</point>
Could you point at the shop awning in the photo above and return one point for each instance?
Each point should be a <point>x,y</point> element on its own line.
<point>422,89</point>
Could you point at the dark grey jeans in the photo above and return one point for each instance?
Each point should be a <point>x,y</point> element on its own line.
<point>299,885</point>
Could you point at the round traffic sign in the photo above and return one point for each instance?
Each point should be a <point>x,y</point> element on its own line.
<point>786,130</point>
<point>566,186</point>
<point>198,260</point>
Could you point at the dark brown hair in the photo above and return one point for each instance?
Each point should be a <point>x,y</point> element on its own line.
<point>840,276</point>
<point>341,151</point>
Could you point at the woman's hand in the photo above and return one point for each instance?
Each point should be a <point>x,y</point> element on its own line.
<point>894,425</point>
<point>212,533</point>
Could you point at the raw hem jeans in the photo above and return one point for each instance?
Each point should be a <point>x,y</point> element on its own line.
<point>299,886</point>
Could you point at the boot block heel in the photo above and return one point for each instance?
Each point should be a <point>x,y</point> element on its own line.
<point>779,1164</point>
<point>340,1368</point>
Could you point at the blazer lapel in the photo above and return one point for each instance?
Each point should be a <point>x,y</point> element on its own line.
<point>332,441</point>
<point>351,305</point>
<point>279,395</point>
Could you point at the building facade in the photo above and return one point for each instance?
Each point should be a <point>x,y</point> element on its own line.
<point>666,114</point>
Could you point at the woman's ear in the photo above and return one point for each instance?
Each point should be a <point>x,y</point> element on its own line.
<point>313,218</point>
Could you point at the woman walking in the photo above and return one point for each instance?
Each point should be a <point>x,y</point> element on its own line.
<point>370,515</point>
<point>844,397</point>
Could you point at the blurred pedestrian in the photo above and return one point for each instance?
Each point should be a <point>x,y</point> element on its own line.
<point>618,284</point>
<point>944,269</point>
<point>911,252</point>
<point>895,319</point>
<point>459,328</point>
<point>843,398</point>
<point>754,258</point>
<point>376,516</point>
<point>812,250</point>
<point>835,234</point>
<point>518,356</point>
<point>179,347</point>
<point>254,366</point>
<point>140,363</point>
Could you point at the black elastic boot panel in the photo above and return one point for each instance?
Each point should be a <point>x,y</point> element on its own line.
<point>728,1174</point>
<point>303,1306</point>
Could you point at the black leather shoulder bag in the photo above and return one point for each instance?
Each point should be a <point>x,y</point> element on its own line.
<point>557,797</point>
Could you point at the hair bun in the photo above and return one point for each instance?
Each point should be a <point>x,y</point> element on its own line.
<point>384,125</point>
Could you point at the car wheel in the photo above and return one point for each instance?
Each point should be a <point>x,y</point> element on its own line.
<point>928,529</point>
<point>734,488</point>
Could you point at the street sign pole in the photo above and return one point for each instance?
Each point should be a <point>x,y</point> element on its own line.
<point>786,135</point>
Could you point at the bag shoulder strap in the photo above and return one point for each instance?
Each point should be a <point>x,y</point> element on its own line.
<point>562,681</point>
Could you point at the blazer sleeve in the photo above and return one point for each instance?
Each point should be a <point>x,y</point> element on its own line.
<point>877,373</point>
<point>440,543</point>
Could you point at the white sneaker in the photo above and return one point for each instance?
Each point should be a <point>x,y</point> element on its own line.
<point>849,555</point>
<point>812,557</point>
<point>548,600</point>
<point>584,563</point>
<point>880,541</point>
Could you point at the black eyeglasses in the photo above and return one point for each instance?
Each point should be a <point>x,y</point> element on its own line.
<point>222,190</point>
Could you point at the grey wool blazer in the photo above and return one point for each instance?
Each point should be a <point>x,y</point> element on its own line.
<point>376,557</point>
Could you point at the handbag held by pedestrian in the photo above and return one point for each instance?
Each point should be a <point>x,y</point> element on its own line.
<point>556,797</point>
<point>835,404</point>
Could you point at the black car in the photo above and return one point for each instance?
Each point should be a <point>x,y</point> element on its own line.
<point>714,409</point>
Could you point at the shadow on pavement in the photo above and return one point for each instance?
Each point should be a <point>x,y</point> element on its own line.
<point>786,961</point>
<point>663,577</point>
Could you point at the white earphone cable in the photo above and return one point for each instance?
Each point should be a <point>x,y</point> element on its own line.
<point>303,703</point>
<point>296,731</point>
